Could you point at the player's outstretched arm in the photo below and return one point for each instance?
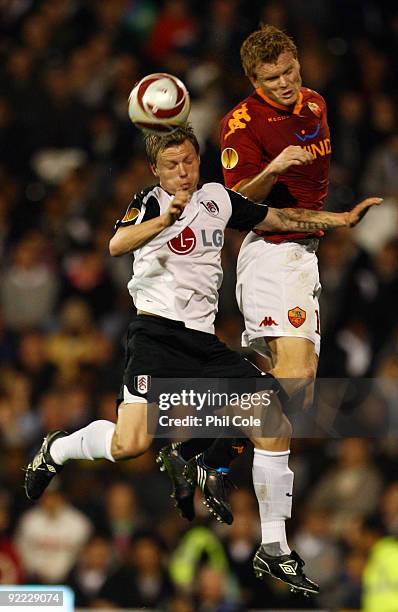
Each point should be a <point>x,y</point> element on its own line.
<point>132,237</point>
<point>302,220</point>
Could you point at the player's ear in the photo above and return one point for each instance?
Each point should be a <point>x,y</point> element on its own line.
<point>254,82</point>
<point>154,169</point>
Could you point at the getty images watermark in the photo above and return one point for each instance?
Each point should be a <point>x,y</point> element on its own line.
<point>183,408</point>
<point>207,404</point>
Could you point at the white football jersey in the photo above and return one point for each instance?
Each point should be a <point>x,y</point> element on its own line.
<point>178,273</point>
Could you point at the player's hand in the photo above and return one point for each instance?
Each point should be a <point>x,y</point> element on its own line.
<point>290,156</point>
<point>176,208</point>
<point>360,210</point>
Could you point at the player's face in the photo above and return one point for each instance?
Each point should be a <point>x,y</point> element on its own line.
<point>280,81</point>
<point>178,167</point>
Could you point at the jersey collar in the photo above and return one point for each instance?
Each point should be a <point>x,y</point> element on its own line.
<point>296,109</point>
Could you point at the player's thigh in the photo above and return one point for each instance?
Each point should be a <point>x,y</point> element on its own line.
<point>131,437</point>
<point>295,364</point>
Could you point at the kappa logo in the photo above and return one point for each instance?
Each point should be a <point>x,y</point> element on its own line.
<point>238,448</point>
<point>238,121</point>
<point>211,207</point>
<point>296,316</point>
<point>142,383</point>
<point>267,322</point>
<point>184,243</point>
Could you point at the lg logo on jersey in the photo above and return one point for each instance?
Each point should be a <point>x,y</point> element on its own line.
<point>185,242</point>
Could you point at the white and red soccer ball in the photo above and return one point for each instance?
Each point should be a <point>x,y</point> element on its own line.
<point>159,103</point>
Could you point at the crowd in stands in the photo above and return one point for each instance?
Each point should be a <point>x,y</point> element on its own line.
<point>70,162</point>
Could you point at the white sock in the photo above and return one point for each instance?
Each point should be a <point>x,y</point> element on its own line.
<point>273,484</point>
<point>91,442</point>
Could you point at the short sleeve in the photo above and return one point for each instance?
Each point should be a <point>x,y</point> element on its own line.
<point>245,213</point>
<point>143,207</point>
<point>241,154</point>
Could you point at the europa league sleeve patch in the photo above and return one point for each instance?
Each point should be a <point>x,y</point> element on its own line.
<point>229,158</point>
<point>129,218</point>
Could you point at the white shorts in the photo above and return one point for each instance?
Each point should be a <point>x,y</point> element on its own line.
<point>277,291</point>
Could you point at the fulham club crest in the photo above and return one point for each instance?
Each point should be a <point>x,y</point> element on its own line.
<point>211,207</point>
<point>142,383</point>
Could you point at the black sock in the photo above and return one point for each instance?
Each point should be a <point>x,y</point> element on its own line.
<point>194,446</point>
<point>223,451</point>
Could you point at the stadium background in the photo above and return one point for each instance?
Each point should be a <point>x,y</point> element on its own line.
<point>69,163</point>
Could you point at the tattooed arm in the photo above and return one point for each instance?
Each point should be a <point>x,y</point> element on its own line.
<point>303,220</point>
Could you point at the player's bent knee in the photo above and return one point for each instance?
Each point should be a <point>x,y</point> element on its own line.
<point>296,378</point>
<point>129,447</point>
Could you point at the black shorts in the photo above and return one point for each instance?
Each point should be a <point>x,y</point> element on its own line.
<point>162,348</point>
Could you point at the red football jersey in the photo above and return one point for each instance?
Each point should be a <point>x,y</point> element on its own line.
<point>258,129</point>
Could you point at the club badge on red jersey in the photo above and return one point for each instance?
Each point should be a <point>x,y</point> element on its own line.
<point>296,316</point>
<point>315,108</point>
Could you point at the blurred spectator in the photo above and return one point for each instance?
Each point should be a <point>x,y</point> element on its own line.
<point>349,286</point>
<point>349,591</point>
<point>351,488</point>
<point>91,570</point>
<point>77,342</point>
<point>384,120</point>
<point>142,581</point>
<point>51,410</point>
<point>380,173</point>
<point>7,342</point>
<point>197,543</point>
<point>380,588</point>
<point>18,423</point>
<point>241,543</point>
<point>211,592</point>
<point>174,29</point>
<point>86,277</point>
<point>122,518</point>
<point>32,362</point>
<point>314,542</point>
<point>29,286</point>
<point>389,509</point>
<point>50,537</point>
<point>350,139</point>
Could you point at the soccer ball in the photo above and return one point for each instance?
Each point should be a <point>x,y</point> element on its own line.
<point>159,103</point>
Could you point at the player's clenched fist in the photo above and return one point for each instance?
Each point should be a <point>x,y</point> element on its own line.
<point>177,205</point>
<point>290,156</point>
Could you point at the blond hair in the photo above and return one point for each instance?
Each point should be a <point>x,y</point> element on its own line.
<point>154,143</point>
<point>264,46</point>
